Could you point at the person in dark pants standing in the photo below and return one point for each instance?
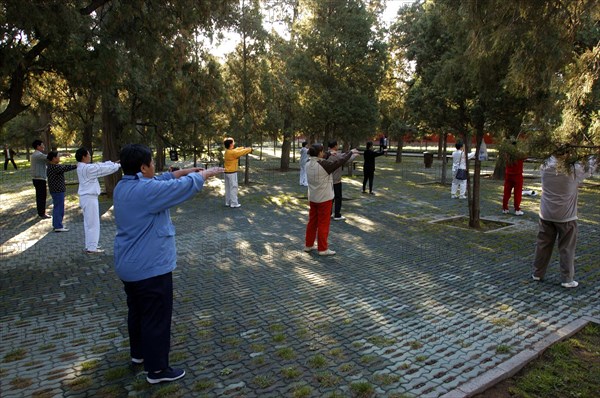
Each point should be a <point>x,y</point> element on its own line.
<point>369,166</point>
<point>337,180</point>
<point>9,156</point>
<point>38,175</point>
<point>145,254</point>
<point>57,187</point>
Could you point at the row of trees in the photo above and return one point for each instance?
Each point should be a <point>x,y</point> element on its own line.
<point>107,72</point>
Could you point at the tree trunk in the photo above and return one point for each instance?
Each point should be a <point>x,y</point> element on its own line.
<point>286,144</point>
<point>474,199</point>
<point>400,149</point>
<point>444,137</point>
<point>112,129</point>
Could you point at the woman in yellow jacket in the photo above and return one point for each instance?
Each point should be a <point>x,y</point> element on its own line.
<point>231,168</point>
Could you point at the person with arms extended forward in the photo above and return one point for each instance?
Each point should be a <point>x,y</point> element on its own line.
<point>57,187</point>
<point>232,155</point>
<point>369,166</point>
<point>145,253</point>
<point>89,190</point>
<point>320,194</point>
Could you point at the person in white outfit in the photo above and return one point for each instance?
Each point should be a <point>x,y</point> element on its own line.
<point>303,160</point>
<point>459,161</point>
<point>89,190</point>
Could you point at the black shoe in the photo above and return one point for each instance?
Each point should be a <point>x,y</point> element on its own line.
<point>169,374</point>
<point>45,216</point>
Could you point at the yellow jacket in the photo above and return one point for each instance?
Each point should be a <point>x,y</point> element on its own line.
<point>232,156</point>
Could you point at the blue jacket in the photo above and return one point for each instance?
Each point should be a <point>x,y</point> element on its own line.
<point>145,241</point>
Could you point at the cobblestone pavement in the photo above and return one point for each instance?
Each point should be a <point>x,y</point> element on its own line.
<point>407,307</point>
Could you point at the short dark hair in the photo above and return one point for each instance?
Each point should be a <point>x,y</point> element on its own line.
<point>315,149</point>
<point>369,145</point>
<point>133,156</point>
<point>81,152</point>
<point>227,143</point>
<point>332,144</point>
<point>458,145</point>
<point>36,143</point>
<point>51,155</point>
<point>304,144</point>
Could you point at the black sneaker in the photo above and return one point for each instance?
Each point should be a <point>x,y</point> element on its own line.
<point>169,374</point>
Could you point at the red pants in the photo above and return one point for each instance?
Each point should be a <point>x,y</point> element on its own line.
<point>513,181</point>
<point>319,219</point>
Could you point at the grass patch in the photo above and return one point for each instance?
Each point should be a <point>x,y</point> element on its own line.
<point>116,373</point>
<point>385,379</point>
<point>204,384</point>
<point>318,361</point>
<point>291,372</point>
<point>570,368</point>
<point>80,383</point>
<point>286,353</point>
<point>15,355</point>
<point>90,365</point>
<point>327,379</point>
<point>362,389</point>
<point>302,391</point>
<point>20,383</point>
<point>263,381</point>
<point>463,223</point>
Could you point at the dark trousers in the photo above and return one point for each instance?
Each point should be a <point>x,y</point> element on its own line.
<point>10,160</point>
<point>40,196</point>
<point>337,199</point>
<point>150,303</point>
<point>368,176</point>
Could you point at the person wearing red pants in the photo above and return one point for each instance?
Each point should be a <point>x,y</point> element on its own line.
<point>320,195</point>
<point>513,180</point>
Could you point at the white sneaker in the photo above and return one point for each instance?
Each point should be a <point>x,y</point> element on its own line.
<point>505,211</point>
<point>536,278</point>
<point>61,230</point>
<point>570,284</point>
<point>308,249</point>
<point>462,197</point>
<point>236,206</point>
<point>519,213</point>
<point>327,252</point>
<point>340,218</point>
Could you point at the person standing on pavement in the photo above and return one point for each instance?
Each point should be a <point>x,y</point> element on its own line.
<point>145,253</point>
<point>232,155</point>
<point>9,156</point>
<point>303,160</point>
<point>320,194</point>
<point>459,162</point>
<point>337,179</point>
<point>369,166</point>
<point>57,187</point>
<point>558,215</point>
<point>38,175</point>
<point>89,190</point>
<point>513,180</point>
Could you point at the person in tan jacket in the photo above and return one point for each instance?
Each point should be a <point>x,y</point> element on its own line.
<point>232,155</point>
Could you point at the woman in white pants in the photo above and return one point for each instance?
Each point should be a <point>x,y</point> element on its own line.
<point>89,189</point>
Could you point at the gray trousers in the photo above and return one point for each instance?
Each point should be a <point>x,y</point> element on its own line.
<point>567,240</point>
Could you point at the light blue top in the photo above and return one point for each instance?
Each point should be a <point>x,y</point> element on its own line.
<point>145,241</point>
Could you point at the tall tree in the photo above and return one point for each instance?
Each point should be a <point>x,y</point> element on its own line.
<point>339,65</point>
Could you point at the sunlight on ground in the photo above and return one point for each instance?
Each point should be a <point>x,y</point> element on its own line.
<point>25,240</point>
<point>312,277</point>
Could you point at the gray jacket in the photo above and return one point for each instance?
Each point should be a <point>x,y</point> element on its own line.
<point>38,165</point>
<point>560,190</point>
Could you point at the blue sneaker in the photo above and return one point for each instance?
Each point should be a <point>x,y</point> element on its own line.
<point>169,374</point>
